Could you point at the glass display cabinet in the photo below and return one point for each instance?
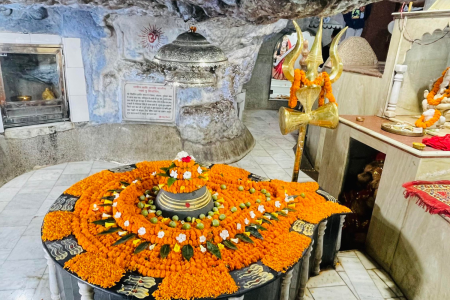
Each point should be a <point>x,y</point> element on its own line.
<point>32,86</point>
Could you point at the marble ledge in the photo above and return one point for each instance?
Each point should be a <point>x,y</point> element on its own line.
<point>384,136</point>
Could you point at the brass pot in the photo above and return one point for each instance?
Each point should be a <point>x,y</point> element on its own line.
<point>184,204</point>
<point>24,98</point>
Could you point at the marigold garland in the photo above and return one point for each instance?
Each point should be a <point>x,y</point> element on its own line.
<point>433,92</point>
<point>288,252</point>
<point>300,80</point>
<point>206,283</point>
<point>95,269</point>
<point>420,122</point>
<point>57,224</point>
<point>117,195</point>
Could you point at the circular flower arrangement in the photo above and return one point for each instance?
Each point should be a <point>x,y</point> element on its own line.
<point>118,224</point>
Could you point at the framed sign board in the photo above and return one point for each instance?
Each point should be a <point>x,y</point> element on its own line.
<point>152,102</point>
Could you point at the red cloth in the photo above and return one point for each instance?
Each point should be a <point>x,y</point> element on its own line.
<point>433,196</point>
<point>438,142</point>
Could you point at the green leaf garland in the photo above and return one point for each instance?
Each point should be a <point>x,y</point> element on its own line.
<point>213,249</point>
<point>124,239</point>
<point>141,247</point>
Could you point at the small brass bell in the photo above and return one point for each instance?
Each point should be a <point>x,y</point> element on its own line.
<point>48,95</point>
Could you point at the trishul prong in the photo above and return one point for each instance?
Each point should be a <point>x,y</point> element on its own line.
<point>289,60</point>
<point>336,63</point>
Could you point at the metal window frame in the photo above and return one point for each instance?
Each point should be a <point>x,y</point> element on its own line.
<point>36,49</point>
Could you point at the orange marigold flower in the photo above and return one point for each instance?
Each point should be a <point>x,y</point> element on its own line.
<point>57,224</point>
<point>95,269</point>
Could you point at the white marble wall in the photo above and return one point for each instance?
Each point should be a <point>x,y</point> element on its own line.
<point>409,243</point>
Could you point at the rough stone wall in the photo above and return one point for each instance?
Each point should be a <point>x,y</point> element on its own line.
<point>258,12</point>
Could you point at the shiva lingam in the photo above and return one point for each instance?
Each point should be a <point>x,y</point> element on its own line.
<point>307,87</point>
<point>184,193</point>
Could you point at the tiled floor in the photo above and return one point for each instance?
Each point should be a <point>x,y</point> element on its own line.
<point>25,200</point>
<point>356,277</point>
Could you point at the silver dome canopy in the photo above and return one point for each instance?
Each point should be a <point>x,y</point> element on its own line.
<point>190,59</point>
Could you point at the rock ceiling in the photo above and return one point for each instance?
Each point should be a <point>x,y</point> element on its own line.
<point>251,11</point>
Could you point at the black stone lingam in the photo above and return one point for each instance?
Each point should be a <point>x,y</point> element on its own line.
<point>184,204</point>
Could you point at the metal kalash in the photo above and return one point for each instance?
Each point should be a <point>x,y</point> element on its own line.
<point>325,116</point>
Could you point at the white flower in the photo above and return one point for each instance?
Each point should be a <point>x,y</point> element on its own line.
<point>141,231</point>
<point>238,226</point>
<point>246,221</point>
<point>95,208</point>
<point>105,215</point>
<point>181,238</point>
<point>135,181</point>
<point>202,239</point>
<point>252,214</point>
<point>151,247</point>
<point>224,234</point>
<point>161,234</point>
<point>235,240</point>
<point>199,170</point>
<point>203,249</point>
<point>182,154</point>
<point>154,173</point>
<point>116,195</point>
<point>118,215</point>
<point>277,204</point>
<point>122,232</point>
<point>126,223</point>
<point>173,174</point>
<point>286,199</point>
<point>114,204</point>
<point>261,208</point>
<point>187,175</point>
<point>268,217</point>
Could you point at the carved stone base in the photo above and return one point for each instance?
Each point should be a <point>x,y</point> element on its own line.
<point>226,151</point>
<point>286,285</point>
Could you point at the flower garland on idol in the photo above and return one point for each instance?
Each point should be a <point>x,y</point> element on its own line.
<point>432,101</point>
<point>118,224</point>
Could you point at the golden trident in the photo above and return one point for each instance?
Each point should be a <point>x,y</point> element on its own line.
<point>325,116</point>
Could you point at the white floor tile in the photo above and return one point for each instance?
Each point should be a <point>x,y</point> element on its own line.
<point>78,168</point>
<point>385,291</point>
<point>21,274</point>
<point>57,191</point>
<point>4,253</point>
<point>18,294</point>
<point>325,278</point>
<point>339,268</point>
<point>350,253</point>
<point>19,181</point>
<point>35,226</point>
<point>27,202</point>
<point>16,217</point>
<point>265,160</point>
<point>360,279</point>
<point>367,261</point>
<point>70,179</point>
<point>332,293</point>
<point>43,209</point>
<point>9,236</point>
<point>45,175</point>
<point>43,290</point>
<point>104,165</point>
<point>28,248</point>
<point>348,283</point>
<point>42,184</point>
<point>259,153</point>
<point>388,280</point>
<point>6,194</point>
<point>3,205</point>
<point>56,167</point>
